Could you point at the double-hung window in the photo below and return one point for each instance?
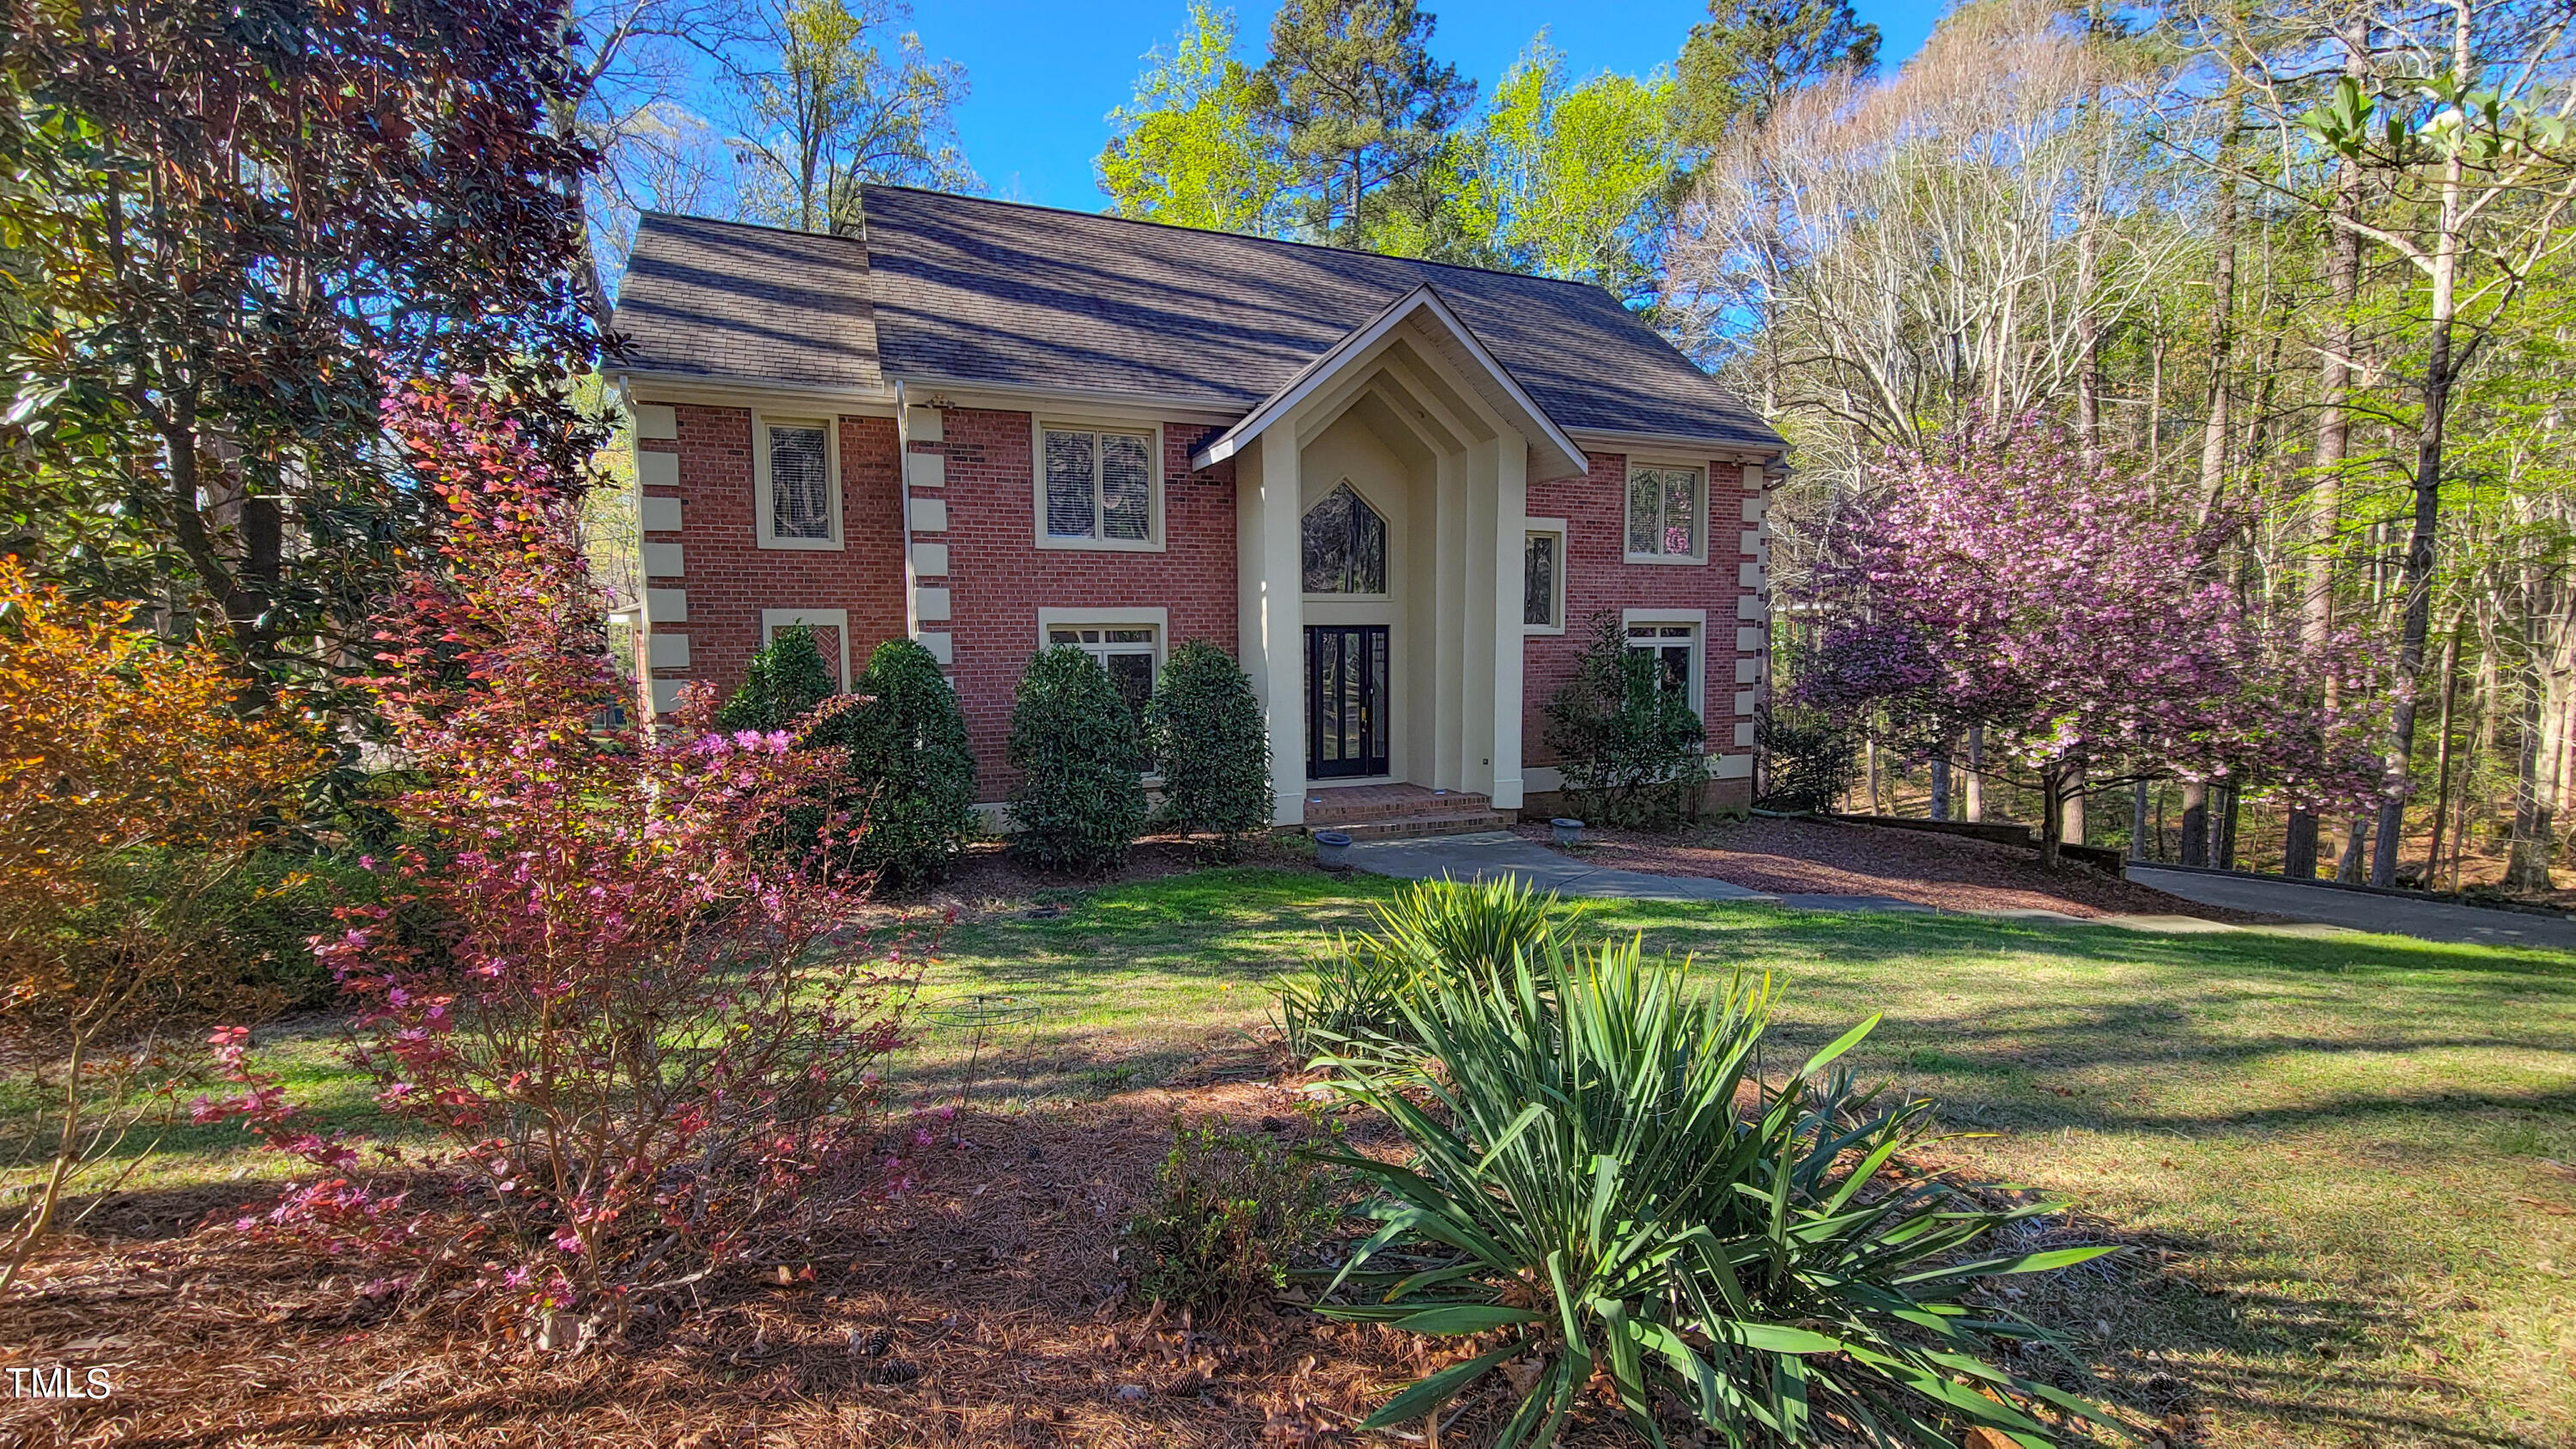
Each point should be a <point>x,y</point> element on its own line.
<point>1674,649</point>
<point>1097,488</point>
<point>797,495</point>
<point>1129,653</point>
<point>1667,514</point>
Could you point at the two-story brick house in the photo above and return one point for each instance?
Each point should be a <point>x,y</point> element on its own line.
<point>1397,491</point>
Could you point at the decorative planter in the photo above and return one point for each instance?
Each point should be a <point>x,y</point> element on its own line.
<point>1565,831</point>
<point>1333,849</point>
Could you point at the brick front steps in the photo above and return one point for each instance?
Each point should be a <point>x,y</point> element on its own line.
<point>1397,812</point>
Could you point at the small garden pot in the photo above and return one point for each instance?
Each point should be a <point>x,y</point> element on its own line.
<point>1565,831</point>
<point>1333,849</point>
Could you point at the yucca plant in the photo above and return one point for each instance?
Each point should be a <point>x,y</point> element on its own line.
<point>1586,1183</point>
<point>1346,1001</point>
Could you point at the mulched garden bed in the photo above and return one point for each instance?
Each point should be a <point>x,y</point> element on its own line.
<point>1947,872</point>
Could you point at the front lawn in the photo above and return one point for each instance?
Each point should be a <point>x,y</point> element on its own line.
<point>2342,1160</point>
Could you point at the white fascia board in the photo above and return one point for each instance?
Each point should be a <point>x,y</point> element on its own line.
<point>1721,449</point>
<point>1355,346</point>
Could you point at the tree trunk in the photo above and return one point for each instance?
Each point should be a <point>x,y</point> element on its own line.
<point>1976,781</point>
<point>2138,821</point>
<point>2527,850</point>
<point>1941,786</point>
<point>2071,818</point>
<point>2195,823</point>
<point>2231,800</point>
<point>2348,869</point>
<point>2334,440</point>
<point>2222,335</point>
<point>2417,578</point>
<point>2442,758</point>
<point>2052,815</point>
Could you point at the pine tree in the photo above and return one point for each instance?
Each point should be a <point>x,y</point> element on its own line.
<point>1363,102</point>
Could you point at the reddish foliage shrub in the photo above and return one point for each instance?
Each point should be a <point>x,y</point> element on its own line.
<point>639,1031</point>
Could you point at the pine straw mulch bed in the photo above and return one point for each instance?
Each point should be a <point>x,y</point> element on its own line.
<point>1822,857</point>
<point>987,1307</point>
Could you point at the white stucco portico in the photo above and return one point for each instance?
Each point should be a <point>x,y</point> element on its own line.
<point>1433,437</point>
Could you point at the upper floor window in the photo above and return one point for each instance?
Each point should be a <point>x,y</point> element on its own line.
<point>1099,488</point>
<point>1667,514</point>
<point>1345,545</point>
<point>798,502</point>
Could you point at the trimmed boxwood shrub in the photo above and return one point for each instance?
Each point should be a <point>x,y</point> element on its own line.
<point>1207,738</point>
<point>787,678</point>
<point>1080,802</point>
<point>911,775</point>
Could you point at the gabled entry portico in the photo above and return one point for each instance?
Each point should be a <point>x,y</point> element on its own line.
<point>1381,508</point>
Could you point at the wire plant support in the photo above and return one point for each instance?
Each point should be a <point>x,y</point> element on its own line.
<point>984,1020</point>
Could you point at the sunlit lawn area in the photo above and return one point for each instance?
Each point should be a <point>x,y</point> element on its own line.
<point>2348,1154</point>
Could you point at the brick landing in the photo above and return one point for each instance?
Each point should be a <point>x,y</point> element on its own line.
<point>1391,812</point>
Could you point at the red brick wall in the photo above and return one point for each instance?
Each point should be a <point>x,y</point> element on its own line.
<point>1598,577</point>
<point>730,578</point>
<point>998,578</point>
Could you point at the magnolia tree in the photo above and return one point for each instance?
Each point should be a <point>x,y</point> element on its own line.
<point>2004,579</point>
<point>633,1025</point>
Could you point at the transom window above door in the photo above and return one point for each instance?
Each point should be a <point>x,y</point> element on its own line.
<point>1345,545</point>
<point>1097,488</point>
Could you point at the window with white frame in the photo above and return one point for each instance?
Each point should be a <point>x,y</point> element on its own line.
<point>1543,577</point>
<point>1674,648</point>
<point>1097,488</point>
<point>1127,652</point>
<point>1342,545</point>
<point>1667,513</point>
<point>799,498</point>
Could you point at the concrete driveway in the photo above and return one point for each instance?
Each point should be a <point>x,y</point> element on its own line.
<point>2363,911</point>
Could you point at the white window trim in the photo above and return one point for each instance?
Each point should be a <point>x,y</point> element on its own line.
<point>764,519</point>
<point>1545,525</point>
<point>1627,490</point>
<point>1153,435</point>
<point>1697,689</point>
<point>1385,520</point>
<point>773,620</point>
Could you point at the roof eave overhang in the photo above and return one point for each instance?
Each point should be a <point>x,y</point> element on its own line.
<point>1742,447</point>
<point>1559,455</point>
<point>709,383</point>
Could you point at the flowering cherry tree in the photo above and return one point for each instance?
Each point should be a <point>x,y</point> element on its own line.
<point>2004,578</point>
<point>640,1027</point>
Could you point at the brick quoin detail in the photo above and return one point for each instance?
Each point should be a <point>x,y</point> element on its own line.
<point>1598,577</point>
<point>730,578</point>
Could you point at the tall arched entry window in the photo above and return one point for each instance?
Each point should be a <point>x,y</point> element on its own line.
<point>1345,541</point>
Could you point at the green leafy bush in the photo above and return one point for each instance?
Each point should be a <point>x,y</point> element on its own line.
<point>1808,758</point>
<point>1584,1183</point>
<point>909,769</point>
<point>1232,1211</point>
<point>246,931</point>
<point>1205,732</point>
<point>1348,1000</point>
<point>1080,801</point>
<point>1632,752</point>
<point>787,678</point>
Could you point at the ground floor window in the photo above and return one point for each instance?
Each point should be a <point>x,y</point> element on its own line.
<point>1675,651</point>
<point>1127,652</point>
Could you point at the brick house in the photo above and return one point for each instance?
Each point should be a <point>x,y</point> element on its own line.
<point>1396,491</point>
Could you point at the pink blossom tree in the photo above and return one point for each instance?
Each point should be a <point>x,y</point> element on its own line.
<point>638,1023</point>
<point>2007,579</point>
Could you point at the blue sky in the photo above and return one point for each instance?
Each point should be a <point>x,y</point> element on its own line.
<point>1045,75</point>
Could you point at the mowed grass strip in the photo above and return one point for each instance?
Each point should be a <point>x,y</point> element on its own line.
<point>2344,1161</point>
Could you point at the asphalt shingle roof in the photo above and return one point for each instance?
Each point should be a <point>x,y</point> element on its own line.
<point>969,290</point>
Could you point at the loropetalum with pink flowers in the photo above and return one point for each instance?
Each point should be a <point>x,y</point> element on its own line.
<point>2004,577</point>
<point>640,1031</point>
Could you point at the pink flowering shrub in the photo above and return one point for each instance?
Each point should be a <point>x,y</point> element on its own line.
<point>2085,618</point>
<point>639,1033</point>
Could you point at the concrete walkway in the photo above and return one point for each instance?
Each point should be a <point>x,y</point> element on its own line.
<point>2363,911</point>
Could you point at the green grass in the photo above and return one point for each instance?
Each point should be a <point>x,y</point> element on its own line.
<point>2346,1151</point>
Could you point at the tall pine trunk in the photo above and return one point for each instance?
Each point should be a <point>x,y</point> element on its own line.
<point>2334,439</point>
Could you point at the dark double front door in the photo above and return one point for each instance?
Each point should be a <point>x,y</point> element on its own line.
<point>1346,731</point>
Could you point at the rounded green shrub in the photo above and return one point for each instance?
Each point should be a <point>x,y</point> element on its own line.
<point>910,773</point>
<point>1205,732</point>
<point>1080,801</point>
<point>787,678</point>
